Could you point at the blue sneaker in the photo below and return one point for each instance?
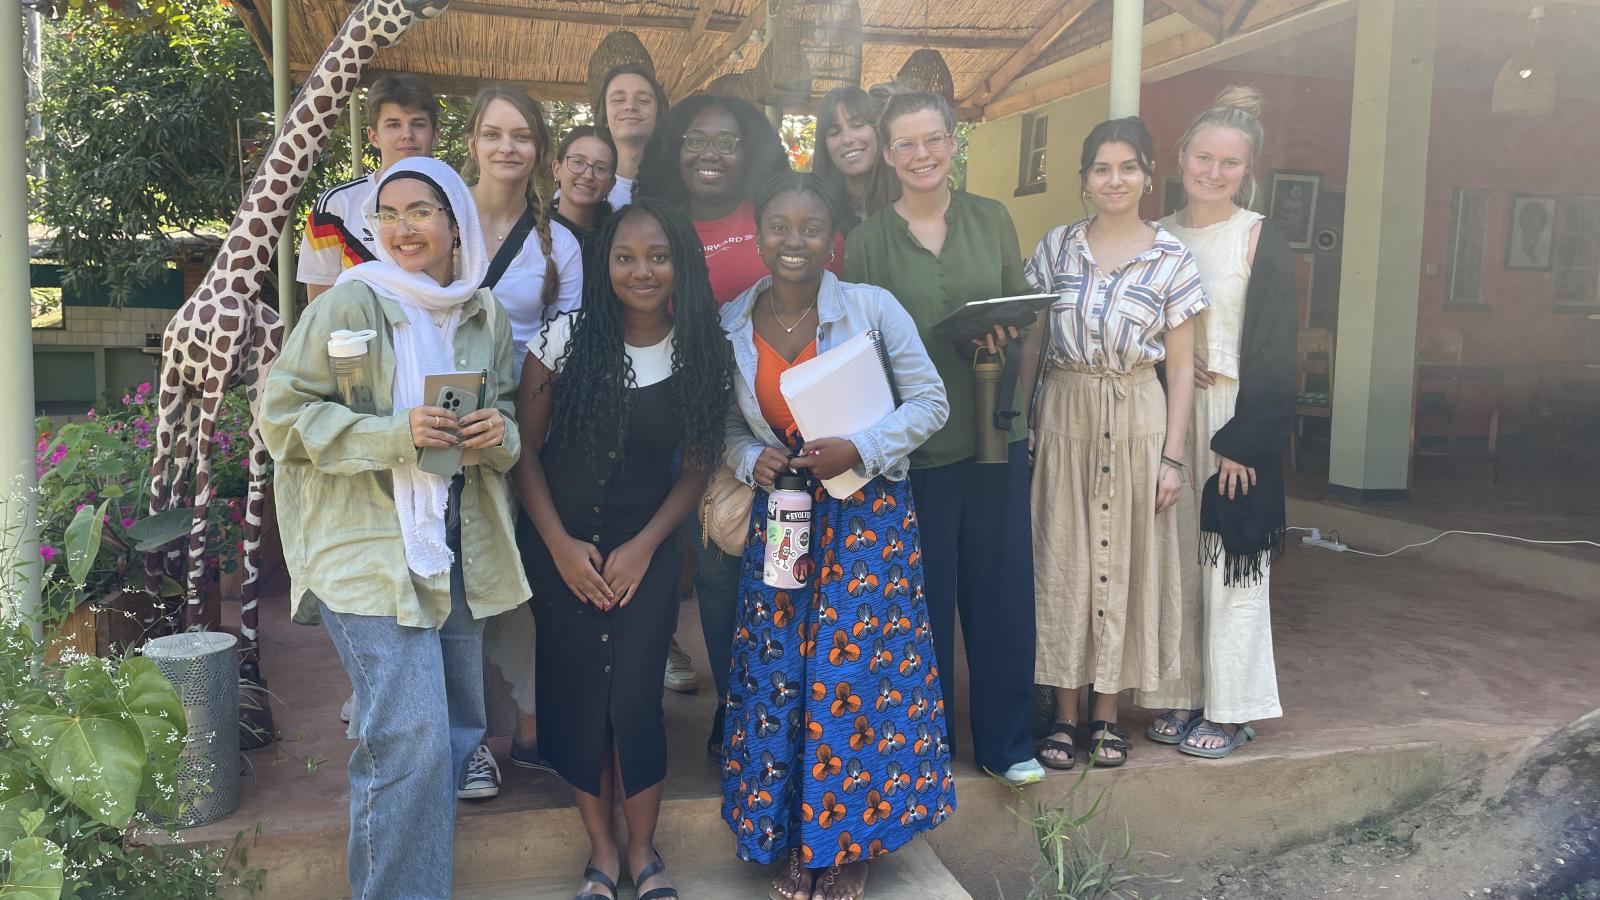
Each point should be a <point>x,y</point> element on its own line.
<point>529,758</point>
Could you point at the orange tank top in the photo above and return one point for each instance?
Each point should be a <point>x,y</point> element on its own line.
<point>770,365</point>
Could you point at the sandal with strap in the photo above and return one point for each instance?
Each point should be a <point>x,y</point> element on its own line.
<point>1112,737</point>
<point>590,873</point>
<point>1066,747</point>
<point>648,872</point>
<point>773,893</point>
<point>1180,727</point>
<point>1236,740</point>
<point>831,873</point>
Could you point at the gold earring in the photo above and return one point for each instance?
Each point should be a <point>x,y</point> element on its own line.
<point>1149,188</point>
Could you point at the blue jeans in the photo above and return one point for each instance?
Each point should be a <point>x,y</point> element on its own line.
<point>419,695</point>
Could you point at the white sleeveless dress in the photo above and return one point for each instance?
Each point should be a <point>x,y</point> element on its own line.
<point>1226,664</point>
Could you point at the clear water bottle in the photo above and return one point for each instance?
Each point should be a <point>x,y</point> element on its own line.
<point>347,355</point>
<point>788,561</point>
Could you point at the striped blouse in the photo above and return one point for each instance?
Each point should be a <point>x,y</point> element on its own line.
<point>1113,320</point>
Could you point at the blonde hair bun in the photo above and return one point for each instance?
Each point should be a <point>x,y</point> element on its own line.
<point>1241,97</point>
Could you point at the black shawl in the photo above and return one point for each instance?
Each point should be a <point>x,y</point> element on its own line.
<point>1248,531</point>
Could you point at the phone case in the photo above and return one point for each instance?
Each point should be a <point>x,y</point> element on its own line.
<point>446,461</point>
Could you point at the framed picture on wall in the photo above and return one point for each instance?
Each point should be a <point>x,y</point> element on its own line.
<point>1530,232</point>
<point>1294,205</point>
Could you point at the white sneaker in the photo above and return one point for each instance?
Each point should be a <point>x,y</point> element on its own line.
<point>483,776</point>
<point>348,710</point>
<point>680,675</point>
<point>1026,772</point>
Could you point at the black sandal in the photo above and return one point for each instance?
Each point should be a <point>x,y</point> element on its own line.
<point>1067,747</point>
<point>1113,737</point>
<point>649,872</point>
<point>590,873</point>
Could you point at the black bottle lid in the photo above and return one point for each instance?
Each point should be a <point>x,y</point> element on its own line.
<point>790,480</point>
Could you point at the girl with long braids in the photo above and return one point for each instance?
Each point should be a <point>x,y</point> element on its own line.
<point>833,757</point>
<point>536,272</point>
<point>608,397</point>
<point>1243,413</point>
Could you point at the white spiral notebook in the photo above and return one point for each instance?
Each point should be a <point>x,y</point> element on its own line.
<point>840,392</point>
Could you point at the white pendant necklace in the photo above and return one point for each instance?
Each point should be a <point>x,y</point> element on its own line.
<point>787,329</point>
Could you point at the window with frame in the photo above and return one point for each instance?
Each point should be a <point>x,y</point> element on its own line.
<point>1031,166</point>
<point>1575,254</point>
<point>1464,269</point>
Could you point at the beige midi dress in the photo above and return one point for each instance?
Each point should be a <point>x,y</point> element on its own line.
<point>1225,661</point>
<point>1106,566</point>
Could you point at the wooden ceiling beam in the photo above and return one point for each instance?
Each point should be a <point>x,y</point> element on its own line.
<point>697,77</point>
<point>464,86</point>
<point>1233,15</point>
<point>1094,76</point>
<point>1007,72</point>
<point>1200,15</point>
<point>905,37</point>
<point>697,30</point>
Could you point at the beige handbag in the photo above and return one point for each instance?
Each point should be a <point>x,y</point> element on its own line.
<point>725,511</point>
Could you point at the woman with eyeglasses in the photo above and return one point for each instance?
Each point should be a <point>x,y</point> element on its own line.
<point>936,249</point>
<point>536,272</point>
<point>713,156</point>
<point>584,169</point>
<point>402,565</point>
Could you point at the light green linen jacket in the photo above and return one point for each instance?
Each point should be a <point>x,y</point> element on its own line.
<point>334,489</point>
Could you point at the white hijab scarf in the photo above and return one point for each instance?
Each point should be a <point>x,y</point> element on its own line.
<point>425,347</point>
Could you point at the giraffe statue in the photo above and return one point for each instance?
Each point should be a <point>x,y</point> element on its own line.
<point>224,336</point>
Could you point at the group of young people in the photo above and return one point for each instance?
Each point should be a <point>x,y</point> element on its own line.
<point>634,330</point>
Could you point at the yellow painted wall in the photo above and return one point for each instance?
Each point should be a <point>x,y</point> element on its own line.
<point>993,149</point>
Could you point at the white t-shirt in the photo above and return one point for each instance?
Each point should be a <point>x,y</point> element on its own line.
<point>651,365</point>
<point>621,192</point>
<point>522,284</point>
<point>337,236</point>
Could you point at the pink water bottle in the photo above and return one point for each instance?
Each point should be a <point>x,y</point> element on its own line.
<point>788,558</point>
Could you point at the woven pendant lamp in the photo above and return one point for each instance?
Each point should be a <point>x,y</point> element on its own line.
<point>925,70</point>
<point>1526,85</point>
<point>619,48</point>
<point>782,76</point>
<point>828,34</point>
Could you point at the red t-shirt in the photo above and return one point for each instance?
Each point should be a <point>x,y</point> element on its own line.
<point>732,260</point>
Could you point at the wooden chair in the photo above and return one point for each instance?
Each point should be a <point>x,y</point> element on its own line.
<point>1313,384</point>
<point>1443,400</point>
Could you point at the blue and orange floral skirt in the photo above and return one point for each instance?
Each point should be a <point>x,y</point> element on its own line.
<point>835,737</point>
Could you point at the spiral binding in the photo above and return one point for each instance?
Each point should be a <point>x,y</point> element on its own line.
<point>883,359</point>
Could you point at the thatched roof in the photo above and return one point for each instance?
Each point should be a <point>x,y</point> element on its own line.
<point>545,45</point>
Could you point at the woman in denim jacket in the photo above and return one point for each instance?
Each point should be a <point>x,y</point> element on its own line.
<point>834,750</point>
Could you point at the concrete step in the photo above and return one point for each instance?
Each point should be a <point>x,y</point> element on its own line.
<point>911,873</point>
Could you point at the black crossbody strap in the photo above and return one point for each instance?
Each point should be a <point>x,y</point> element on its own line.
<point>509,249</point>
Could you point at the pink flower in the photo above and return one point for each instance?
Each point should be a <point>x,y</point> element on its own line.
<point>90,414</point>
<point>127,400</point>
<point>127,523</point>
<point>141,393</point>
<point>48,552</point>
<point>142,443</point>
<point>57,455</point>
<point>79,507</point>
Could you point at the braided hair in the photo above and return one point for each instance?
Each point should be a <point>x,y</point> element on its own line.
<point>596,374</point>
<point>533,114</point>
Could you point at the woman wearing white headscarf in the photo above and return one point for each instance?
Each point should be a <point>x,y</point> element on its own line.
<point>379,549</point>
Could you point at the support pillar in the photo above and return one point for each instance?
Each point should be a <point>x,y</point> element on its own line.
<point>1375,365</point>
<point>18,483</point>
<point>35,62</point>
<point>1127,56</point>
<point>358,141</point>
<point>282,89</point>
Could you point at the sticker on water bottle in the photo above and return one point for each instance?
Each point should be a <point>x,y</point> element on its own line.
<point>788,560</point>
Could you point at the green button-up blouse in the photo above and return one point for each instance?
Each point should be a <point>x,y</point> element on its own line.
<point>334,490</point>
<point>981,259</point>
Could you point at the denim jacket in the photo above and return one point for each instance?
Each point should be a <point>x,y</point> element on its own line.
<point>844,310</point>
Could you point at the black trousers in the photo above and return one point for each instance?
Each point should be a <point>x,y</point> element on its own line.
<point>977,555</point>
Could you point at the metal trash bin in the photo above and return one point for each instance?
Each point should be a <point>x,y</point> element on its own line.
<point>204,668</point>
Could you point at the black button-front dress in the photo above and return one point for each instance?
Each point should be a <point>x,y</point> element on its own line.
<point>595,667</point>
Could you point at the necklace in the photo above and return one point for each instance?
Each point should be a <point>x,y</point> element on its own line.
<point>788,329</point>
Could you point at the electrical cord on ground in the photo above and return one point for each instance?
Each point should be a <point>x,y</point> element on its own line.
<point>1315,538</point>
